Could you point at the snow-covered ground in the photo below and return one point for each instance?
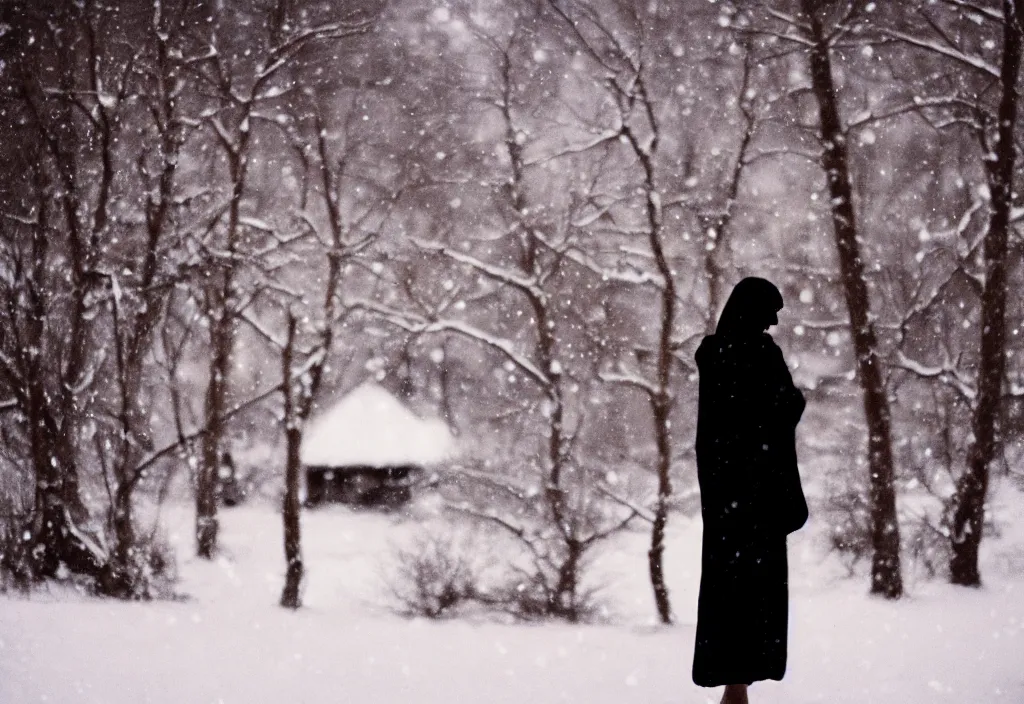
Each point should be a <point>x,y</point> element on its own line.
<point>229,642</point>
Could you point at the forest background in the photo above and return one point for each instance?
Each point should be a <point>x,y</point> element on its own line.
<point>521,217</point>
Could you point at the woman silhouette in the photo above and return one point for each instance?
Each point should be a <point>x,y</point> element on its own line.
<point>750,494</point>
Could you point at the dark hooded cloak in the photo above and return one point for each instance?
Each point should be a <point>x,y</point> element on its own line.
<point>750,492</point>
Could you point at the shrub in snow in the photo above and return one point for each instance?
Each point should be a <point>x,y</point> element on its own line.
<point>848,515</point>
<point>434,575</point>
<point>926,544</point>
<point>547,537</point>
<point>924,520</point>
<point>540,594</point>
<point>150,573</point>
<point>442,573</point>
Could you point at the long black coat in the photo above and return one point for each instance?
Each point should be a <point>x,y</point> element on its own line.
<point>751,499</point>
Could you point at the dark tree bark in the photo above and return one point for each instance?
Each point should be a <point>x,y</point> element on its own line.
<point>215,402</point>
<point>299,398</point>
<point>49,335</point>
<point>886,576</point>
<point>972,486</point>
<point>135,328</point>
<point>222,334</point>
<point>661,400</point>
<point>290,597</point>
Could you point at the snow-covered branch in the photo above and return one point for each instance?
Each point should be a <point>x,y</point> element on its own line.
<point>152,459</point>
<point>868,117</point>
<point>585,146</point>
<point>502,274</point>
<point>630,275</point>
<point>630,379</point>
<point>975,62</point>
<point>275,340</point>
<point>946,372</point>
<point>795,38</point>
<point>614,528</point>
<point>417,324</point>
<point>979,10</point>
<point>639,511</point>
<point>768,153</point>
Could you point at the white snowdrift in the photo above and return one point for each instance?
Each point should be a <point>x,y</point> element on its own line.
<point>230,643</point>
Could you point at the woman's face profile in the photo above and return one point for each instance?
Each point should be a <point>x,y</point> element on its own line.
<point>751,309</point>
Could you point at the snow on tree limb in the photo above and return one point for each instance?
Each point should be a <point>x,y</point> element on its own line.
<point>163,452</point>
<point>606,136</point>
<point>974,62</point>
<point>507,276</point>
<point>261,330</point>
<point>639,511</point>
<point>794,38</point>
<point>630,379</point>
<point>787,19</point>
<point>945,372</point>
<point>417,324</point>
<point>988,12</point>
<point>613,529</point>
<point>607,273</point>
<point>768,153</point>
<point>868,117</point>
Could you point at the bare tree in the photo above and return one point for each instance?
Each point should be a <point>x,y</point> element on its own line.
<point>991,118</point>
<point>51,358</point>
<point>124,278</point>
<point>520,265</point>
<point>345,236</point>
<point>972,486</point>
<point>618,42</point>
<point>242,88</point>
<point>815,29</point>
<point>885,569</point>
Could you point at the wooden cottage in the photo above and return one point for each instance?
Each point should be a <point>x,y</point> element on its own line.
<point>368,450</point>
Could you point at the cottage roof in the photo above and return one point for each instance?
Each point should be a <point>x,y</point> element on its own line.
<point>370,427</point>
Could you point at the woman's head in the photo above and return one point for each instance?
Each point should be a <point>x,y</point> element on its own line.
<point>752,307</point>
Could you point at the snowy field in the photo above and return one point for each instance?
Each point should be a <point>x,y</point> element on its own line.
<point>228,642</point>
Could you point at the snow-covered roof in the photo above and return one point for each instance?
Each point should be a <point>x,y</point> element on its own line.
<point>370,427</point>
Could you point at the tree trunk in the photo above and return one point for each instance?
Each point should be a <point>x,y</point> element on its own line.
<point>566,594</point>
<point>886,577</point>
<point>972,486</point>
<point>118,580</point>
<point>290,595</point>
<point>55,539</point>
<point>661,406</point>
<point>661,398</point>
<point>546,348</point>
<point>206,485</point>
<point>222,343</point>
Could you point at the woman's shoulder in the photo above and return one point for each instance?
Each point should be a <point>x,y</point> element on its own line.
<point>769,344</point>
<point>717,345</point>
